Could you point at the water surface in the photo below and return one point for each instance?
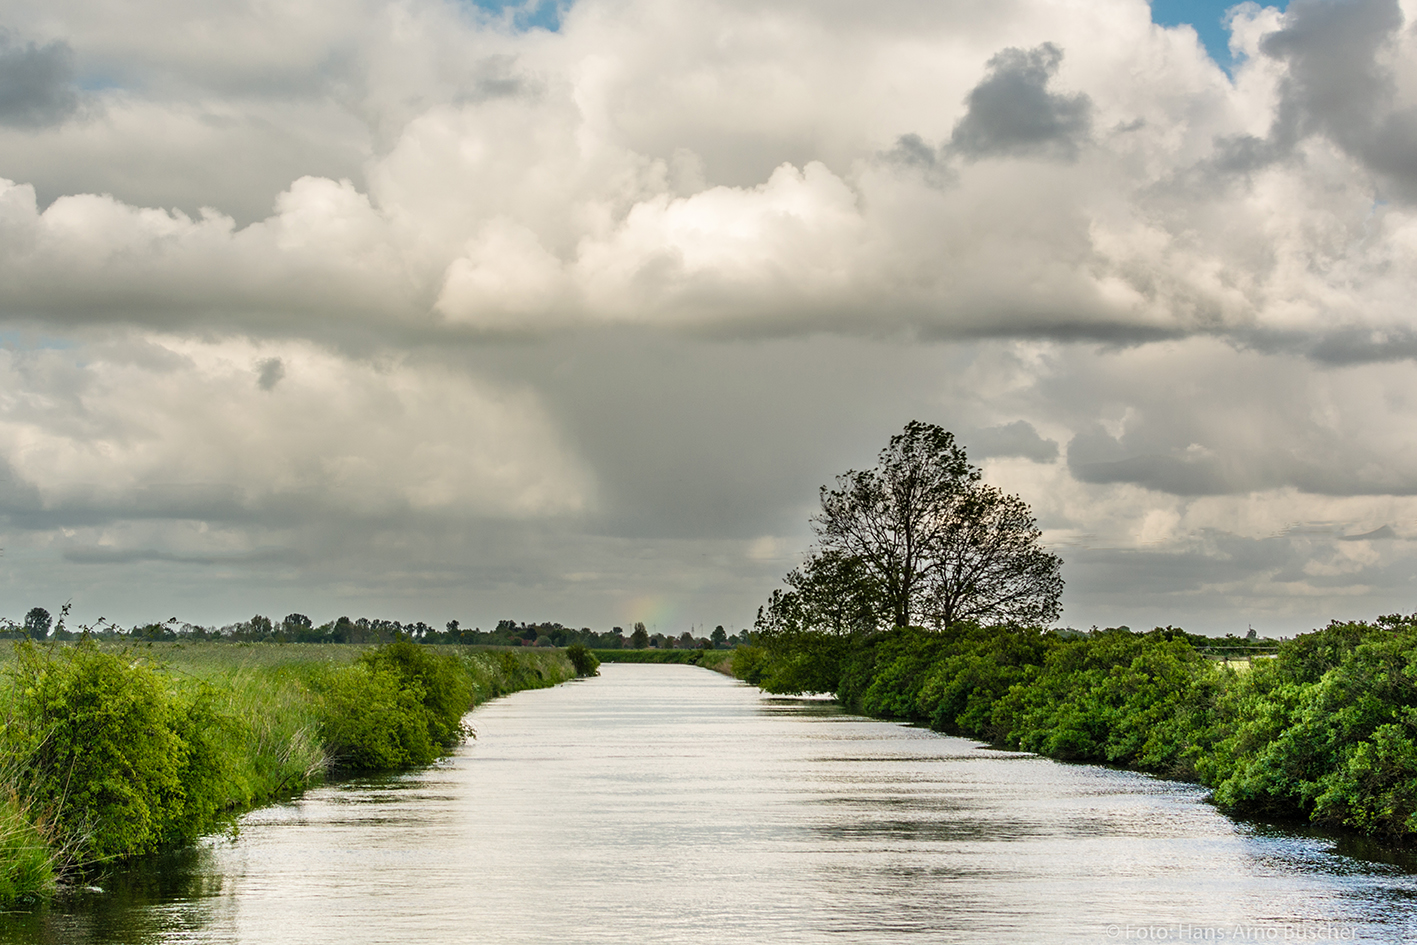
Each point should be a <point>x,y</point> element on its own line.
<point>668,804</point>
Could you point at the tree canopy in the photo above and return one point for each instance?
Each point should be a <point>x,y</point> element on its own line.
<point>37,623</point>
<point>919,540</point>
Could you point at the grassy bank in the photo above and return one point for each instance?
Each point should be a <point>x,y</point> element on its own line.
<point>717,660</point>
<point>110,752</point>
<point>1324,731</point>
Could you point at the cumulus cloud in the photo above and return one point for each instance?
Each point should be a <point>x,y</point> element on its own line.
<point>1333,431</point>
<point>1341,82</point>
<point>548,181</point>
<point>89,259</point>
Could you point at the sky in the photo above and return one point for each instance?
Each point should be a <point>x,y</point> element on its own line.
<point>434,310</point>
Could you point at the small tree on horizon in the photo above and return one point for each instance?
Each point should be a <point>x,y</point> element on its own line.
<point>37,623</point>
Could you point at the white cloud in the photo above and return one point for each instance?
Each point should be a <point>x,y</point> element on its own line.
<point>506,279</point>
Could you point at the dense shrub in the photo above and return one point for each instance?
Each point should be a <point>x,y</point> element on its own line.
<point>1131,699</point>
<point>582,659</point>
<point>109,753</point>
<point>399,705</point>
<point>440,681</point>
<point>374,720</point>
<point>1326,730</point>
<point>797,661</point>
<point>750,664</point>
<point>902,662</point>
<point>978,669</point>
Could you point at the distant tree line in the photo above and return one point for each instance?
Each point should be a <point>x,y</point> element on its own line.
<point>39,624</point>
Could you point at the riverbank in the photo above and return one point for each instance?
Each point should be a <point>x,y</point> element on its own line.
<point>1323,731</point>
<point>110,752</point>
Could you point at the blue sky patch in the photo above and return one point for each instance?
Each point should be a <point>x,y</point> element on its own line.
<point>526,14</point>
<point>24,340</point>
<point>1208,17</point>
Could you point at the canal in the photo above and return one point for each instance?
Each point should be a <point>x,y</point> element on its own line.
<point>668,804</point>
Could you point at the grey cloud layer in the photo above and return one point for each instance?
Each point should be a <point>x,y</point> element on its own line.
<point>37,83</point>
<point>582,474</point>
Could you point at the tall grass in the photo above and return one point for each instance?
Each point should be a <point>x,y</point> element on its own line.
<point>27,862</point>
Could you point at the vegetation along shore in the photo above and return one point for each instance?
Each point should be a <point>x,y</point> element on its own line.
<point>1322,728</point>
<point>113,750</point>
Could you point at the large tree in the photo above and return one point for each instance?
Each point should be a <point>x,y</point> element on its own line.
<point>921,540</point>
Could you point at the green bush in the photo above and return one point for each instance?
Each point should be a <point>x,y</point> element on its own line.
<point>903,661</point>
<point>1375,788</point>
<point>750,664</point>
<point>440,681</point>
<point>1118,697</point>
<point>374,720</point>
<point>515,670</point>
<point>105,756</point>
<point>399,705</point>
<point>1325,731</point>
<point>583,659</point>
<point>797,661</point>
<point>977,670</point>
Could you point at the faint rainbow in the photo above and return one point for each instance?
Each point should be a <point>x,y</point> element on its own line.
<point>655,612</point>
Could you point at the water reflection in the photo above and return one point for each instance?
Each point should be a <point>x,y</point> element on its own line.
<point>159,899</point>
<point>669,804</point>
